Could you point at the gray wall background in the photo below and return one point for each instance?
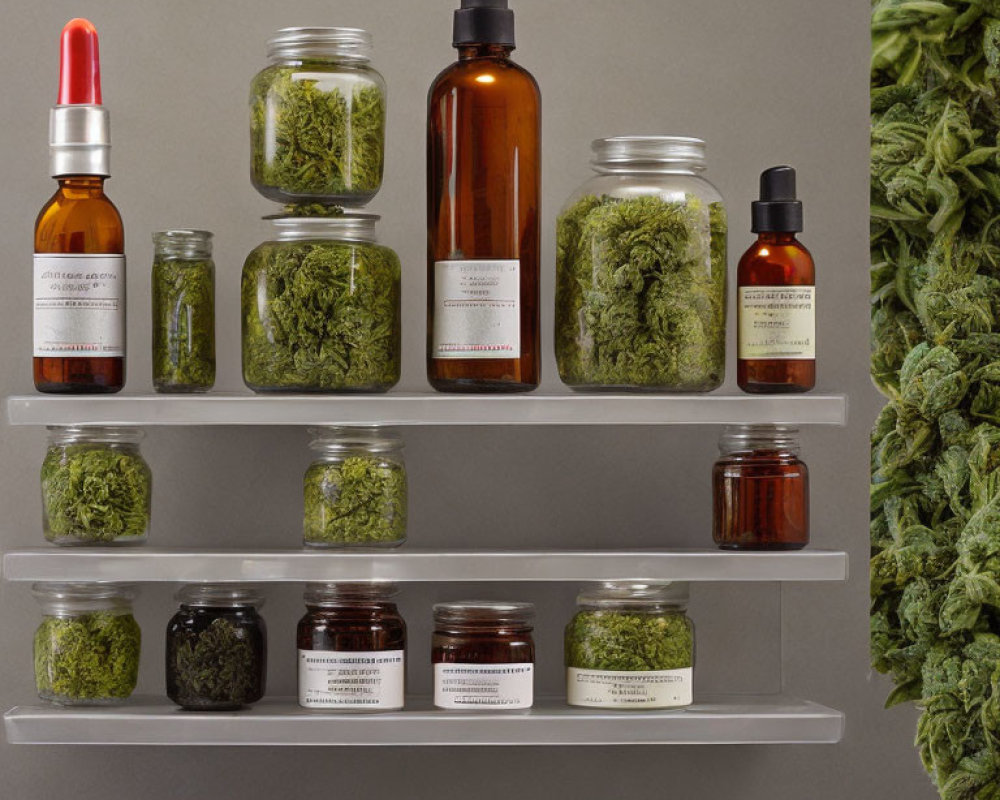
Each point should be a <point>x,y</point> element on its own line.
<point>764,82</point>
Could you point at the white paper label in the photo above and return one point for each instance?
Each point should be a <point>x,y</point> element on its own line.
<point>777,322</point>
<point>79,305</point>
<point>609,689</point>
<point>477,311</point>
<point>484,685</point>
<point>359,680</point>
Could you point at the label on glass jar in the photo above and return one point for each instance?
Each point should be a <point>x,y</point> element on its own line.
<point>777,322</point>
<point>484,685</point>
<point>612,689</point>
<point>79,305</point>
<point>477,311</point>
<point>356,680</point>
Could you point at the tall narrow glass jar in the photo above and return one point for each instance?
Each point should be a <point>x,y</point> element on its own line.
<point>352,648</point>
<point>183,289</point>
<point>317,118</point>
<point>641,271</point>
<point>96,487</point>
<point>355,491</point>
<point>321,308</point>
<point>761,489</point>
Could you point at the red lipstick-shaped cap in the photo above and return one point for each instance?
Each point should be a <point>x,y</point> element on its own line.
<point>79,64</point>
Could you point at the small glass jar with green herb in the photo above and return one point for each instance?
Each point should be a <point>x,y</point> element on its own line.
<point>96,487</point>
<point>216,648</point>
<point>183,289</point>
<point>86,650</point>
<point>630,645</point>
<point>317,118</point>
<point>321,308</point>
<point>641,271</point>
<point>355,491</point>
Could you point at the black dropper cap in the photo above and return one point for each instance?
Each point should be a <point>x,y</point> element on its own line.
<point>483,22</point>
<point>778,210</point>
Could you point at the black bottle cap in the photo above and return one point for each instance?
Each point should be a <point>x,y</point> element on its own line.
<point>483,22</point>
<point>778,210</point>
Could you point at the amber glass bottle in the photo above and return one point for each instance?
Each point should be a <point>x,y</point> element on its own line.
<point>776,282</point>
<point>483,170</point>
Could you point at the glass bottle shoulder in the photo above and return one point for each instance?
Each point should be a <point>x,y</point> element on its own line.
<point>79,210</point>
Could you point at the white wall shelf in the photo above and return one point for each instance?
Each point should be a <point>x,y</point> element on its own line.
<point>144,564</point>
<point>428,408</point>
<point>753,719</point>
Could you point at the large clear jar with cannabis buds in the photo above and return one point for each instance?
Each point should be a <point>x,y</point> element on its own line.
<point>641,271</point>
<point>216,648</point>
<point>96,487</point>
<point>317,118</point>
<point>352,648</point>
<point>355,491</point>
<point>321,308</point>
<point>630,645</point>
<point>183,288</point>
<point>86,650</point>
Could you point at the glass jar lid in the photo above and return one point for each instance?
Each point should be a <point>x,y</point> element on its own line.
<point>183,243</point>
<point>484,614</point>
<point>628,153</point>
<point>219,595</point>
<point>346,227</point>
<point>69,599</point>
<point>348,44</point>
<point>635,594</point>
<point>748,438</point>
<point>346,593</point>
<point>345,439</point>
<point>97,434</point>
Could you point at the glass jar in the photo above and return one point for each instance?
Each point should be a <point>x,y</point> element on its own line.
<point>352,648</point>
<point>183,288</point>
<point>761,490</point>
<point>321,308</point>
<point>483,655</point>
<point>96,487</point>
<point>630,645</point>
<point>86,650</point>
<point>641,271</point>
<point>216,648</point>
<point>355,491</point>
<point>317,118</point>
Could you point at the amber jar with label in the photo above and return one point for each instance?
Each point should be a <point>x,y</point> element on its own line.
<point>761,490</point>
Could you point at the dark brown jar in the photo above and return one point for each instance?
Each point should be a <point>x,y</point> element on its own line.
<point>761,490</point>
<point>483,655</point>
<point>352,648</point>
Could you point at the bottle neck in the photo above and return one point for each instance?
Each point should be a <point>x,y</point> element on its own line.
<point>776,238</point>
<point>468,52</point>
<point>82,186</point>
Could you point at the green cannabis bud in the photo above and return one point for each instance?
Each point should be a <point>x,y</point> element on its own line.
<point>321,316</point>
<point>93,493</point>
<point>90,658</point>
<point>629,642</point>
<point>358,501</point>
<point>312,137</point>
<point>641,294</point>
<point>183,325</point>
<point>219,667</point>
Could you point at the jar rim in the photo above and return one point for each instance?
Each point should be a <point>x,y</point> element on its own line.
<point>485,613</point>
<point>98,590</point>
<point>340,593</point>
<point>343,438</point>
<point>635,593</point>
<point>746,438</point>
<point>651,150</point>
<point>351,44</point>
<point>183,242</point>
<point>219,595</point>
<point>98,434</point>
<point>346,227</point>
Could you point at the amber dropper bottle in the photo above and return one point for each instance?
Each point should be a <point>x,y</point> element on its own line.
<point>483,168</point>
<point>776,307</point>
<point>79,266</point>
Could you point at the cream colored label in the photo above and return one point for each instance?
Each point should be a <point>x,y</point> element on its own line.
<point>351,680</point>
<point>477,309</point>
<point>610,689</point>
<point>777,322</point>
<point>484,685</point>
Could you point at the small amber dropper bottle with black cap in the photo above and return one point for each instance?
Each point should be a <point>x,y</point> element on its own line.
<point>776,285</point>
<point>483,193</point>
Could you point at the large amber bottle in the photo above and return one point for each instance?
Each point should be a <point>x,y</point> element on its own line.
<point>483,192</point>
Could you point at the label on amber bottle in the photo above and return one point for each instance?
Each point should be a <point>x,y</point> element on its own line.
<point>477,309</point>
<point>612,689</point>
<point>777,322</point>
<point>358,680</point>
<point>484,685</point>
<point>79,305</point>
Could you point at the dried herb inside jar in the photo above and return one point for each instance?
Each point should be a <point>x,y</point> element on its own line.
<point>94,493</point>
<point>641,293</point>
<point>215,665</point>
<point>321,316</point>
<point>92,656</point>
<point>310,138</point>
<point>183,324</point>
<point>622,641</point>
<point>357,501</point>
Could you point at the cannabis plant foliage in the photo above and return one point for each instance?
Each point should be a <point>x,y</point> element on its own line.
<point>935,492</point>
